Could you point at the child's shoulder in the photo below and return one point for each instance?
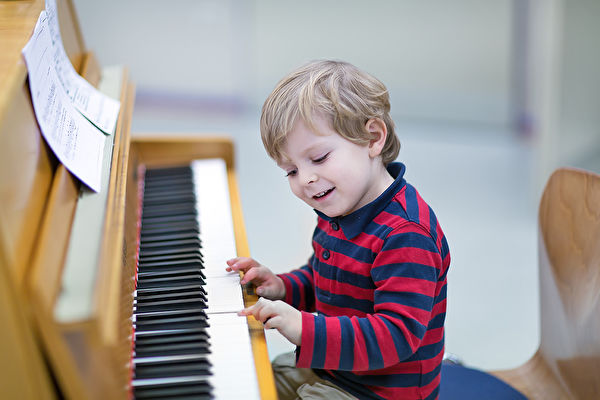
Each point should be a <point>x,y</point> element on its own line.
<point>409,208</point>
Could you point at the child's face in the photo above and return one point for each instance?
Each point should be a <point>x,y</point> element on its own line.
<point>330,173</point>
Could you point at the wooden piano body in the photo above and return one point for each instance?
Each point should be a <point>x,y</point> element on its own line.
<point>46,354</point>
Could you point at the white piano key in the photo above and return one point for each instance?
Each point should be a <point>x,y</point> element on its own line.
<point>231,356</point>
<point>224,295</point>
<point>216,232</point>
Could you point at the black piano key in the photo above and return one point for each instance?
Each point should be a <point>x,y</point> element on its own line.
<point>196,347</point>
<point>170,244</point>
<point>180,388</point>
<point>164,305</point>
<point>155,321</point>
<point>179,250</point>
<point>170,341</point>
<point>158,229</point>
<point>172,365</point>
<point>149,283</point>
<point>170,270</point>
<point>193,255</point>
<point>152,338</point>
<point>178,235</point>
<point>156,172</point>
<point>185,261</point>
<point>191,288</point>
<point>188,287</point>
<point>143,335</point>
<point>169,210</point>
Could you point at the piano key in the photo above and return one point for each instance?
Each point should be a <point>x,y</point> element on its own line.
<point>168,320</point>
<point>169,228</point>
<point>187,387</point>
<point>169,236</point>
<point>172,290</point>
<point>193,255</point>
<point>155,338</point>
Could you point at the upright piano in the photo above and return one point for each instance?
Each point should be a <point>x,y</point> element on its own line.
<point>93,303</point>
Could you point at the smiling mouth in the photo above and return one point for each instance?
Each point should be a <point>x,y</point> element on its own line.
<point>323,194</point>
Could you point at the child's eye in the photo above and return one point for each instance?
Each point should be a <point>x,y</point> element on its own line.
<point>321,159</point>
<point>291,173</point>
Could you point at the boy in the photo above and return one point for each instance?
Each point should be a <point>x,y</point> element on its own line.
<point>367,311</point>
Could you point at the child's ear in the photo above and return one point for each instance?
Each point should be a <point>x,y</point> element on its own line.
<point>378,131</point>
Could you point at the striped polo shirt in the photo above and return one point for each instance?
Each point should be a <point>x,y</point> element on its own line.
<point>373,296</point>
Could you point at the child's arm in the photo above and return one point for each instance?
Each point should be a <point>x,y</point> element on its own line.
<point>267,283</point>
<point>279,315</point>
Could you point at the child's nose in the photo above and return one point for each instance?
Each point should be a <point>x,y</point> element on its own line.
<point>310,177</point>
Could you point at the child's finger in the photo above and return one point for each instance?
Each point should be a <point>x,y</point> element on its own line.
<point>273,322</point>
<point>240,264</point>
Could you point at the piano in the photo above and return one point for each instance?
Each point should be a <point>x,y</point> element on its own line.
<point>119,294</point>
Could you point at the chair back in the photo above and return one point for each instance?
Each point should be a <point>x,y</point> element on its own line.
<point>569,261</point>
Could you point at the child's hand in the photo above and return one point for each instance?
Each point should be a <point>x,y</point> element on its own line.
<point>267,283</point>
<point>279,315</point>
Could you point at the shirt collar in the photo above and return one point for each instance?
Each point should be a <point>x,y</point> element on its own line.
<point>354,223</point>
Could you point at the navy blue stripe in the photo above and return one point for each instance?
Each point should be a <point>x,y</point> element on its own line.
<point>434,394</point>
<point>307,287</point>
<point>319,345</point>
<point>414,326</point>
<point>334,273</point>
<point>342,300</point>
<point>412,205</point>
<point>433,225</point>
<point>405,270</point>
<point>388,380</point>
<point>295,292</point>
<point>443,292</point>
<point>437,321</point>
<point>427,352</point>
<point>347,346</point>
<point>410,299</point>
<point>345,247</point>
<point>410,239</point>
<point>445,248</point>
<point>372,346</point>
<point>396,208</point>
<point>402,347</point>
<point>392,380</point>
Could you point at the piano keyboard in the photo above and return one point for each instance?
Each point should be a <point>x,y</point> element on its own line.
<point>189,341</point>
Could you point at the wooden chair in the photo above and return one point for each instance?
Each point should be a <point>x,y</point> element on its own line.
<point>567,363</point>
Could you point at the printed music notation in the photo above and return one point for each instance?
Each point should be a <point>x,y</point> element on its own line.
<point>77,143</point>
<point>73,116</point>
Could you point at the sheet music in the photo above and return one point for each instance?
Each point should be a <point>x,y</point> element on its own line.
<point>97,107</point>
<point>76,142</point>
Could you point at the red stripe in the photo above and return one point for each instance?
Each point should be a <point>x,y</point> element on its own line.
<point>408,255</point>
<point>346,263</point>
<point>307,341</point>
<point>341,288</point>
<point>411,285</point>
<point>334,343</point>
<point>329,309</point>
<point>385,340</point>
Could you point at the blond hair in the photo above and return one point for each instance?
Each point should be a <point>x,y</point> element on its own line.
<point>347,96</point>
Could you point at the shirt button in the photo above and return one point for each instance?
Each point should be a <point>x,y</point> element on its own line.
<point>335,226</point>
<point>326,255</point>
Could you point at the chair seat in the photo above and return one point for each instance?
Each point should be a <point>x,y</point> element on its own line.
<point>463,383</point>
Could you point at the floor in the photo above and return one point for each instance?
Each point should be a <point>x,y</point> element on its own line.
<point>478,180</point>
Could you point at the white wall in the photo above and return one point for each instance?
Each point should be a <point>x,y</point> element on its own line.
<point>441,60</point>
